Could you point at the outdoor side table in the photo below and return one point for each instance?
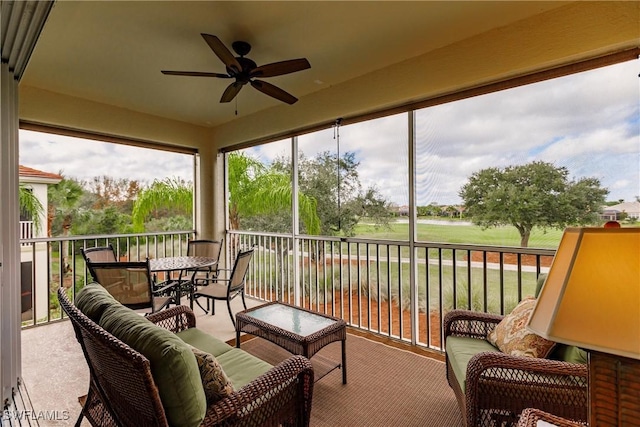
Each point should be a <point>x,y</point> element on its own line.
<point>297,330</point>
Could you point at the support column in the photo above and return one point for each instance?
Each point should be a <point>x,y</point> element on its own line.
<point>211,215</point>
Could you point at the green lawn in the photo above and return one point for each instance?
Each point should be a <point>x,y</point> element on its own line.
<point>499,236</point>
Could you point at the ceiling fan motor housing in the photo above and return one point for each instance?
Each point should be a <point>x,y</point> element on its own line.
<point>247,65</point>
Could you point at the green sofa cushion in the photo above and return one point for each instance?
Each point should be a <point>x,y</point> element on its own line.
<point>460,350</point>
<point>242,367</point>
<point>239,366</point>
<point>93,300</point>
<point>569,353</point>
<point>203,341</point>
<point>173,364</point>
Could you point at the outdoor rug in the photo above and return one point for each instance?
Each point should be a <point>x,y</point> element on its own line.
<point>385,386</point>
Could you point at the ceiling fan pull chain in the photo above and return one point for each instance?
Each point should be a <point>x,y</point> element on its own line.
<point>336,136</point>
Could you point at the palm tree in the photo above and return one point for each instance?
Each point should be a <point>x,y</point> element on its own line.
<point>30,206</point>
<point>64,198</point>
<point>170,193</point>
<point>253,190</point>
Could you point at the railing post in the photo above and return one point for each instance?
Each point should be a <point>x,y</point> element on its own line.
<point>413,265</point>
<point>295,226</point>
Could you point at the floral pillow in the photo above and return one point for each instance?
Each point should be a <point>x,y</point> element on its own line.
<point>512,337</point>
<point>215,382</point>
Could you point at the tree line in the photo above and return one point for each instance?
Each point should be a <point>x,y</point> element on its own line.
<point>331,199</point>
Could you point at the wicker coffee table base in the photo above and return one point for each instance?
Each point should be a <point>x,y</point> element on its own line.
<point>305,345</point>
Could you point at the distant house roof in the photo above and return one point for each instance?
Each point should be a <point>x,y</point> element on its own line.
<point>28,174</point>
<point>631,208</point>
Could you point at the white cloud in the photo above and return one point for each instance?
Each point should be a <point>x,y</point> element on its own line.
<point>589,123</point>
<point>83,160</point>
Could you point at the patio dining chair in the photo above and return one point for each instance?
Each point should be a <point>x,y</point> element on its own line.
<point>98,254</point>
<point>209,249</point>
<point>226,289</point>
<point>130,283</point>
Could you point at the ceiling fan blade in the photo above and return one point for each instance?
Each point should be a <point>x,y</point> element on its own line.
<point>195,74</point>
<point>222,52</point>
<point>280,68</point>
<point>274,91</point>
<point>231,91</point>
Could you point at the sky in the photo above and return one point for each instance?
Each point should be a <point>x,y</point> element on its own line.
<point>83,159</point>
<point>587,122</point>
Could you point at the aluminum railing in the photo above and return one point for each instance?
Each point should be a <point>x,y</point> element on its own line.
<point>45,267</point>
<point>391,288</point>
<point>396,289</point>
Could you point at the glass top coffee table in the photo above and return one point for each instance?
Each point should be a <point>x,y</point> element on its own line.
<point>297,330</point>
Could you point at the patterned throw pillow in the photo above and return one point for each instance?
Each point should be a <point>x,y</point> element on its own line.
<point>215,382</point>
<point>512,337</point>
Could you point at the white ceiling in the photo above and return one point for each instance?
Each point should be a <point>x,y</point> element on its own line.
<point>111,52</point>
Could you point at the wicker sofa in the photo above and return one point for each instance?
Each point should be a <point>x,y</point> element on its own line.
<point>493,388</point>
<point>155,379</point>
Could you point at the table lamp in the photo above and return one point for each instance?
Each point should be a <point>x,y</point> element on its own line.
<point>591,299</point>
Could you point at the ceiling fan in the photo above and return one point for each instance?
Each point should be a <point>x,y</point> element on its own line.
<point>244,70</point>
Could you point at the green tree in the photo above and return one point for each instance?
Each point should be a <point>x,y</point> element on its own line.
<point>537,194</point>
<point>342,202</point>
<point>108,220</point>
<point>258,190</point>
<point>254,189</point>
<point>30,206</point>
<point>172,194</point>
<point>64,198</point>
<point>108,191</point>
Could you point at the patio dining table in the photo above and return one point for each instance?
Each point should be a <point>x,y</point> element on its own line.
<point>182,264</point>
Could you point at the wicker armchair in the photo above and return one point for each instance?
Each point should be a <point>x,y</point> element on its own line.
<point>122,391</point>
<point>499,386</point>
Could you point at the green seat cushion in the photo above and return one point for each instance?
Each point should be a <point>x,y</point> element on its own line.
<point>569,353</point>
<point>242,367</point>
<point>173,364</point>
<point>93,300</point>
<point>203,341</point>
<point>460,350</point>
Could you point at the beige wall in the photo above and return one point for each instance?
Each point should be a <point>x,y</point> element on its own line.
<point>562,36</point>
<point>578,31</point>
<point>53,109</point>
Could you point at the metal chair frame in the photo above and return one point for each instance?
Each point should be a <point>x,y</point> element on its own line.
<point>98,254</point>
<point>124,276</point>
<point>227,289</point>
<point>207,248</point>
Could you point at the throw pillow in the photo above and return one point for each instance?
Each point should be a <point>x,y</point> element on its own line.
<point>215,382</point>
<point>512,337</point>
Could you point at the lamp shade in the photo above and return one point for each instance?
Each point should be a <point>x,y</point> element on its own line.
<point>591,298</point>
